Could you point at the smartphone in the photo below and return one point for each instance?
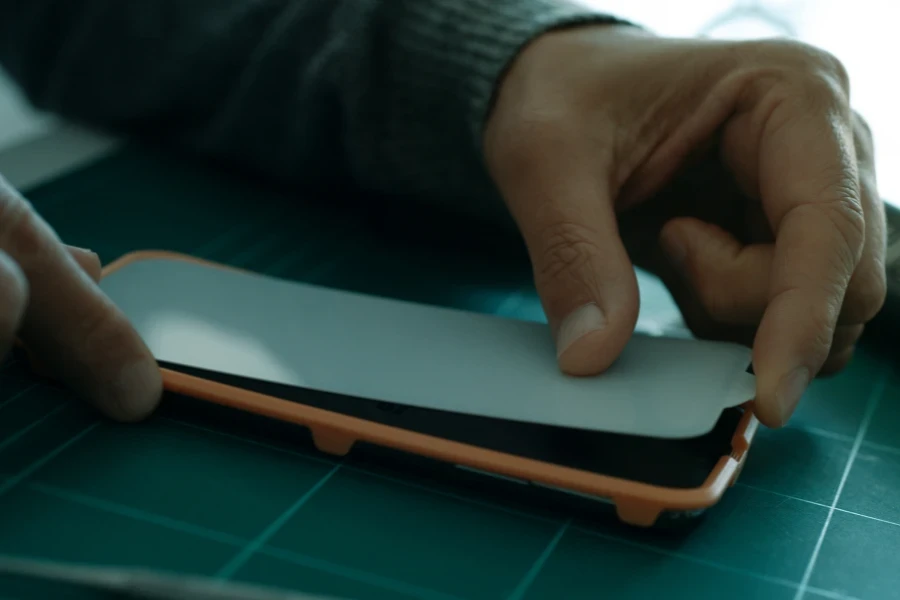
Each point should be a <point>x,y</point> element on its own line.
<point>644,479</point>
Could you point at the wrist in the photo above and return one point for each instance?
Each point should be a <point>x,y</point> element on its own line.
<point>448,56</point>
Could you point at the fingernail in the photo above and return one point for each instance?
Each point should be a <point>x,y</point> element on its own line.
<point>82,251</point>
<point>577,324</point>
<point>790,390</point>
<point>88,260</point>
<point>84,257</point>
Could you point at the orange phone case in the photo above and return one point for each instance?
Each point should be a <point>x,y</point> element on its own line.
<point>636,503</point>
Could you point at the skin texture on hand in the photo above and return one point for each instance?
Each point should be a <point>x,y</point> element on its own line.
<point>735,170</point>
<point>49,300</point>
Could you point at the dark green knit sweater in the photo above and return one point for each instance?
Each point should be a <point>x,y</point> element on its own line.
<point>391,94</point>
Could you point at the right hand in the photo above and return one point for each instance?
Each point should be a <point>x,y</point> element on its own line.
<point>737,171</point>
<point>50,301</point>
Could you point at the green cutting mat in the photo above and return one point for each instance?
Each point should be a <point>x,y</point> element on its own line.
<point>815,514</point>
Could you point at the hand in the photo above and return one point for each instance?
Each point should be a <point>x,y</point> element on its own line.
<point>735,170</point>
<point>48,298</point>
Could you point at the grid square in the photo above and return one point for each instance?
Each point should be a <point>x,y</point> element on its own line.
<point>796,463</point>
<point>25,409</point>
<point>218,205</point>
<point>41,526</point>
<point>749,530</point>
<point>836,404</point>
<point>269,570</point>
<point>434,541</point>
<point>16,379</point>
<point>872,485</point>
<point>859,558</point>
<point>56,429</point>
<point>185,474</point>
<point>885,426</point>
<point>588,566</point>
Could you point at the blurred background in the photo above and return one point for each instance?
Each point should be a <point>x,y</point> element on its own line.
<point>862,33</point>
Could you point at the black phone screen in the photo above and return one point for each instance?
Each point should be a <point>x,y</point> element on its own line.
<point>679,463</point>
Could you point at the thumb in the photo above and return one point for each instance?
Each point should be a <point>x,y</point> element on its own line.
<point>585,280</point>
<point>584,277</point>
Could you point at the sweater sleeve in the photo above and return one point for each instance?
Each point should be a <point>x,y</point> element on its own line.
<point>389,94</point>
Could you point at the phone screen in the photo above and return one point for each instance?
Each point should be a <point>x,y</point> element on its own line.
<point>679,463</point>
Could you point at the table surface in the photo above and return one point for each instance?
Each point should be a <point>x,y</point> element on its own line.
<point>816,512</point>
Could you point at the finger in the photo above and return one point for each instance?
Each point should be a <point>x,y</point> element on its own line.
<point>842,348</point>
<point>836,363</point>
<point>13,300</point>
<point>730,283</point>
<point>868,287</point>
<point>582,272</point>
<point>88,261</point>
<point>78,333</point>
<point>729,279</point>
<point>810,192</point>
<point>845,338</point>
<point>712,305</point>
<point>90,264</point>
<point>695,315</point>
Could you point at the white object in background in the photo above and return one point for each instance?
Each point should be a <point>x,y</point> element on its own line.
<point>36,147</point>
<point>419,355</point>
<point>19,122</point>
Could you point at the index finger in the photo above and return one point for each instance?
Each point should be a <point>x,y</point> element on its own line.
<point>76,331</point>
<point>809,187</point>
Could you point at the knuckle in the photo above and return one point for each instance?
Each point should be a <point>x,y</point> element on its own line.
<point>841,210</point>
<point>843,199</point>
<point>866,295</point>
<point>821,64</point>
<point>822,76</point>
<point>829,67</point>
<point>847,215</point>
<point>803,55</point>
<point>565,251</point>
<point>817,320</point>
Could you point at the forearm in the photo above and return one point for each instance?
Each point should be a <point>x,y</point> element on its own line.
<point>389,93</point>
